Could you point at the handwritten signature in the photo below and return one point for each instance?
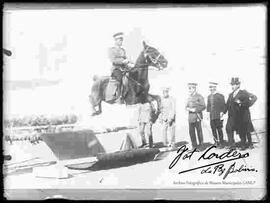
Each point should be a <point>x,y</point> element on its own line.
<point>220,170</point>
<point>216,167</point>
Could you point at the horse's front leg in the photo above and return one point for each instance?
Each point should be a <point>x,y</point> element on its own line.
<point>156,98</point>
<point>99,108</point>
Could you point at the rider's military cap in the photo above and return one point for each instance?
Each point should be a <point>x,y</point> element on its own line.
<point>118,35</point>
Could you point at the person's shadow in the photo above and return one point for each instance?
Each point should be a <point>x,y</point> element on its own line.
<point>163,154</point>
<point>118,159</point>
<point>177,144</point>
<point>126,158</point>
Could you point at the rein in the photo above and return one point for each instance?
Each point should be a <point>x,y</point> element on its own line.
<point>153,60</point>
<point>137,66</point>
<point>137,83</point>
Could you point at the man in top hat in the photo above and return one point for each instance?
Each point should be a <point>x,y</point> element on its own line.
<point>167,117</point>
<point>120,63</point>
<point>216,106</point>
<point>239,118</point>
<point>195,105</point>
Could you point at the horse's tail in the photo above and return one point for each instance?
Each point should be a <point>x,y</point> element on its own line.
<point>95,77</point>
<point>96,91</point>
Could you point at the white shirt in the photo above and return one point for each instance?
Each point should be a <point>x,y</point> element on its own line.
<point>236,92</point>
<point>145,111</point>
<point>167,108</point>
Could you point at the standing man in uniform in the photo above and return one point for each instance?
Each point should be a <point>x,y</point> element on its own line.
<point>216,106</point>
<point>120,63</point>
<point>239,118</point>
<point>195,105</point>
<point>145,113</point>
<point>167,118</point>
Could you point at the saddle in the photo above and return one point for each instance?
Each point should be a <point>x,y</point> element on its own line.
<point>114,85</point>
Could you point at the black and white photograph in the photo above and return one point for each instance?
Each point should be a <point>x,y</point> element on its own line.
<point>141,102</point>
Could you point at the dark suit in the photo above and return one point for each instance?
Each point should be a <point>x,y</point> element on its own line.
<point>194,118</point>
<point>239,118</point>
<point>216,105</point>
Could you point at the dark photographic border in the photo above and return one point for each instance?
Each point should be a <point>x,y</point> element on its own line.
<point>137,194</point>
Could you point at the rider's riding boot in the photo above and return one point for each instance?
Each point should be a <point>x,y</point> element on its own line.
<point>120,99</point>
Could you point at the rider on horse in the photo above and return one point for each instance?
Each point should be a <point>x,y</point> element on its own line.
<point>117,55</point>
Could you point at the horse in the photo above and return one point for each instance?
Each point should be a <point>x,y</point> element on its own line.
<point>138,86</point>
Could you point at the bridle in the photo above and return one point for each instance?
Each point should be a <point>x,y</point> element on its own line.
<point>153,60</point>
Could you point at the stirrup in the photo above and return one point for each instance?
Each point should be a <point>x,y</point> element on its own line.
<point>113,79</point>
<point>119,100</point>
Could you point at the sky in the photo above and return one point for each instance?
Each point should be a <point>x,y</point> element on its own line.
<point>201,44</point>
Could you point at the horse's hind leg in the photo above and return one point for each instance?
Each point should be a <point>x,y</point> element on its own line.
<point>94,111</point>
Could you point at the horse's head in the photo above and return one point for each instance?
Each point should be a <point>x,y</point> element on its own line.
<point>154,57</point>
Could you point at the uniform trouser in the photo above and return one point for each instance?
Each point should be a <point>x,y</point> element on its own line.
<point>245,137</point>
<point>230,131</point>
<point>216,126</point>
<point>117,75</point>
<point>171,128</point>
<point>192,133</point>
<point>249,138</point>
<point>148,128</point>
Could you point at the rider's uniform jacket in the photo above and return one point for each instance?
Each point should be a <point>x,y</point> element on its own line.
<point>117,55</point>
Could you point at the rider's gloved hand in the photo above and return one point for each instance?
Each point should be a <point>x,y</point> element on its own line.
<point>131,65</point>
<point>125,61</point>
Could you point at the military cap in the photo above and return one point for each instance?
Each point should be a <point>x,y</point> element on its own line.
<point>213,84</point>
<point>235,81</point>
<point>118,35</point>
<point>166,89</point>
<point>192,84</point>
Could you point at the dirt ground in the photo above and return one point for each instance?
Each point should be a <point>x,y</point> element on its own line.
<point>149,175</point>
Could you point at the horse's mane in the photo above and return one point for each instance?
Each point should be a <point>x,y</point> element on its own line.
<point>140,59</point>
<point>138,64</point>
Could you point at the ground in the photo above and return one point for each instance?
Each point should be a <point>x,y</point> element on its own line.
<point>149,175</point>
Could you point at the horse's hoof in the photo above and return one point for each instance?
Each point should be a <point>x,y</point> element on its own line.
<point>95,113</point>
<point>99,112</point>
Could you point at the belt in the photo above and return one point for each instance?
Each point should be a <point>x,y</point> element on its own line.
<point>120,65</point>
